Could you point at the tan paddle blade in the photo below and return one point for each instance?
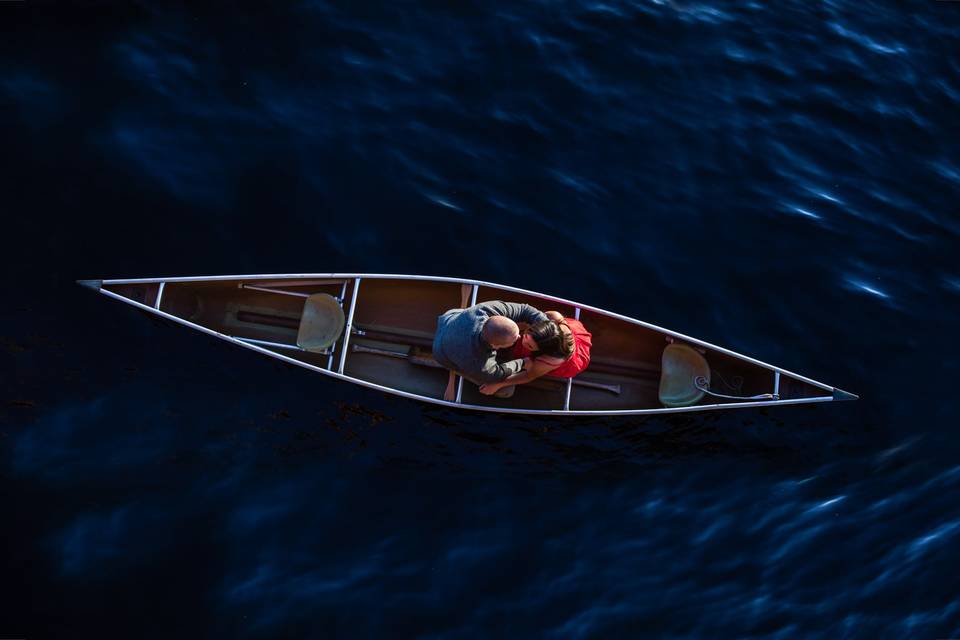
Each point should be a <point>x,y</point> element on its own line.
<point>321,323</point>
<point>680,367</point>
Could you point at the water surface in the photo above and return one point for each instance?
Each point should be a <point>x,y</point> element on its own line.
<point>780,180</point>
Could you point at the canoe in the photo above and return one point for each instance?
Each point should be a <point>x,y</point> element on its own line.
<point>376,330</point>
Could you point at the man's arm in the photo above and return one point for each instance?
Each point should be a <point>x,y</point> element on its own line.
<point>516,311</point>
<point>534,369</point>
<point>494,371</point>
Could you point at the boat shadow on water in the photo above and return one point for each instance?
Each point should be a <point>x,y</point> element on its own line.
<point>400,434</point>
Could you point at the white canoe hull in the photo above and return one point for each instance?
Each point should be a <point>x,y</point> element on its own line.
<point>258,312</point>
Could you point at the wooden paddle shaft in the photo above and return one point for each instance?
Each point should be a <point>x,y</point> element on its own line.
<point>430,362</point>
<point>612,388</point>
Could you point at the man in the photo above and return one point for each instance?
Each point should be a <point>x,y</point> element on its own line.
<point>467,340</point>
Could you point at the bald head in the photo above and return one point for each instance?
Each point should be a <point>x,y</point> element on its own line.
<point>500,332</point>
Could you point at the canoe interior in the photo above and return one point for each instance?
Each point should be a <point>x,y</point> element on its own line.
<point>142,293</point>
<point>399,316</point>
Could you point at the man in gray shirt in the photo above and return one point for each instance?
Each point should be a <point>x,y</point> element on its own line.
<point>467,340</point>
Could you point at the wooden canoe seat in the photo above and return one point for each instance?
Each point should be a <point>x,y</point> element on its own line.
<point>681,366</point>
<point>321,324</point>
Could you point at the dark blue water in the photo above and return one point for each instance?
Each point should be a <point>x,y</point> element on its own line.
<point>780,179</point>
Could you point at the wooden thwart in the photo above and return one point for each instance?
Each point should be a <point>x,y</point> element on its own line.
<point>268,319</point>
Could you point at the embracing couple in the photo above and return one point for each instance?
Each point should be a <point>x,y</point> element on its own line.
<point>499,345</point>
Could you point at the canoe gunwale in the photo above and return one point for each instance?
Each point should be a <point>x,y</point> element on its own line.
<point>482,283</point>
<point>441,402</point>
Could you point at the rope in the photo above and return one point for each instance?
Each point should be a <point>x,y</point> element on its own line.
<point>701,383</point>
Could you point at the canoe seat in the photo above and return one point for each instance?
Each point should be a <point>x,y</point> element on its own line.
<point>321,323</point>
<point>681,366</point>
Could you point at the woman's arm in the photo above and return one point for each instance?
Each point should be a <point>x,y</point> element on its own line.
<point>530,372</point>
<point>516,311</point>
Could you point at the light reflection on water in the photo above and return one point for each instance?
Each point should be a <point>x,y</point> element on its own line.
<point>782,182</point>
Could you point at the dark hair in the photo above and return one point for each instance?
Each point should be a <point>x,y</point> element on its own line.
<point>551,340</point>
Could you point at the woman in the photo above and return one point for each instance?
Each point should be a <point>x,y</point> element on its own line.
<point>557,346</point>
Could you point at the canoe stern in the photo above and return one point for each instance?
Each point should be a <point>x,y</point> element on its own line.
<point>840,394</point>
<point>91,284</point>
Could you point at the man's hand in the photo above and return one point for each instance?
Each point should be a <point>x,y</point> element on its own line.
<point>490,388</point>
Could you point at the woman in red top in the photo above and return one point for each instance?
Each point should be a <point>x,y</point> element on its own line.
<point>558,347</point>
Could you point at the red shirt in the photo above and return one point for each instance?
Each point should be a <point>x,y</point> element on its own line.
<point>582,341</point>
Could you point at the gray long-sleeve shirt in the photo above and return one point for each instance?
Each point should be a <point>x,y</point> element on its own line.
<point>459,346</point>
